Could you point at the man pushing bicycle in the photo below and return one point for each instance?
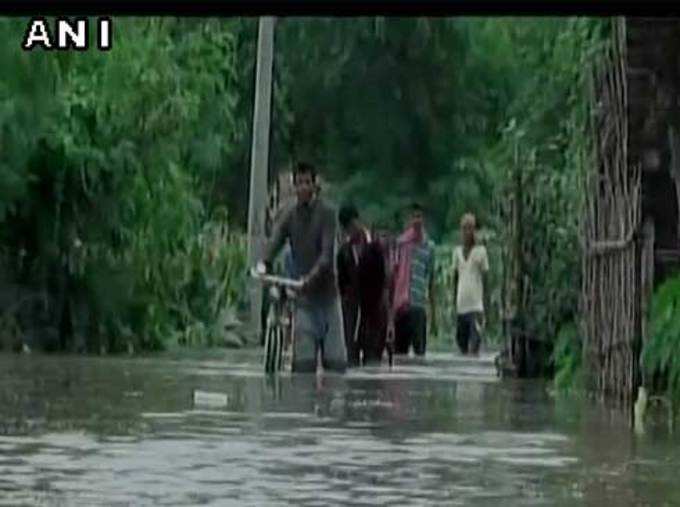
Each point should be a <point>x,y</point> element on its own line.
<point>310,226</point>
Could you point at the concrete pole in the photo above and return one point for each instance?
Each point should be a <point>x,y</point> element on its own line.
<point>259,160</point>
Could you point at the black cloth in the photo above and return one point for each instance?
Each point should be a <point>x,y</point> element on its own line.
<point>372,284</point>
<point>410,328</point>
<point>348,286</point>
<point>361,284</point>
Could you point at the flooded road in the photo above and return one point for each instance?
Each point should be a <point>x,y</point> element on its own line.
<point>438,431</point>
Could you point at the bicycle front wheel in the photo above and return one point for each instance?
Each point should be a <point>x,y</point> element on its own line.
<point>273,346</point>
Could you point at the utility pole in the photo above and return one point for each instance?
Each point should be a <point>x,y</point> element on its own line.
<point>259,160</point>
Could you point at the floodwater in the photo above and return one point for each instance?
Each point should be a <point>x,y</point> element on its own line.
<point>435,431</point>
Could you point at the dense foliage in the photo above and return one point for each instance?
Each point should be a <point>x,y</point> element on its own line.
<point>661,354</point>
<point>123,175</point>
<point>399,106</point>
<point>539,166</point>
<point>110,166</point>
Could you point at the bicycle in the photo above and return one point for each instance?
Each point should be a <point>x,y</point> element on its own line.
<point>280,324</point>
<point>280,332</point>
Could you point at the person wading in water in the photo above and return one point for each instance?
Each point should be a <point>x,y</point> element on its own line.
<point>471,265</point>
<point>413,286</point>
<point>309,224</point>
<point>362,280</point>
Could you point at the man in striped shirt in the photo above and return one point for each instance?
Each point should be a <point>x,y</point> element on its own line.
<point>413,286</point>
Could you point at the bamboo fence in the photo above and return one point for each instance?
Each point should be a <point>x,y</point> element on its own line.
<point>611,291</point>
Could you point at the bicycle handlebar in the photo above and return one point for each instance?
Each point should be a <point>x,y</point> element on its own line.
<point>276,280</point>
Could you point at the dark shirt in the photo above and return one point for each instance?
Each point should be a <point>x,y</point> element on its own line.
<point>372,276</point>
<point>362,280</point>
<point>310,229</point>
<point>348,273</point>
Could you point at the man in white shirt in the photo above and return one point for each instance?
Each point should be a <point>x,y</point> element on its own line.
<point>471,265</point>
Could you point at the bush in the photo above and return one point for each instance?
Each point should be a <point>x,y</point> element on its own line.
<point>567,357</point>
<point>109,167</point>
<point>661,354</point>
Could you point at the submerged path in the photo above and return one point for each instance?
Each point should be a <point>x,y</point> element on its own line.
<point>438,431</point>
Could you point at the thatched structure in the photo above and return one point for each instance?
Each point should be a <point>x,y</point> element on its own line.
<point>611,264</point>
<point>632,228</point>
<point>653,78</point>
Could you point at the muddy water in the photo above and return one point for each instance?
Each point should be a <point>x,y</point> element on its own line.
<point>438,431</point>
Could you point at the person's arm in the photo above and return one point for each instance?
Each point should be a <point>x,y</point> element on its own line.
<point>432,294</point>
<point>391,280</point>
<point>325,259</point>
<point>343,277</point>
<point>485,283</point>
<point>454,268</point>
<point>383,269</point>
<point>485,295</point>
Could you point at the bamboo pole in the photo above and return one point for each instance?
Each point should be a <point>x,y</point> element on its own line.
<point>259,160</point>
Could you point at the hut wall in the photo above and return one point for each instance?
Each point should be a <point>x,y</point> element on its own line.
<point>653,51</point>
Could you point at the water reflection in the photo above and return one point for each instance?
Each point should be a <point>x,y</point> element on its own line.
<point>439,431</point>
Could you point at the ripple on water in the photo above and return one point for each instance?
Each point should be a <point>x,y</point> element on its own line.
<point>440,431</point>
